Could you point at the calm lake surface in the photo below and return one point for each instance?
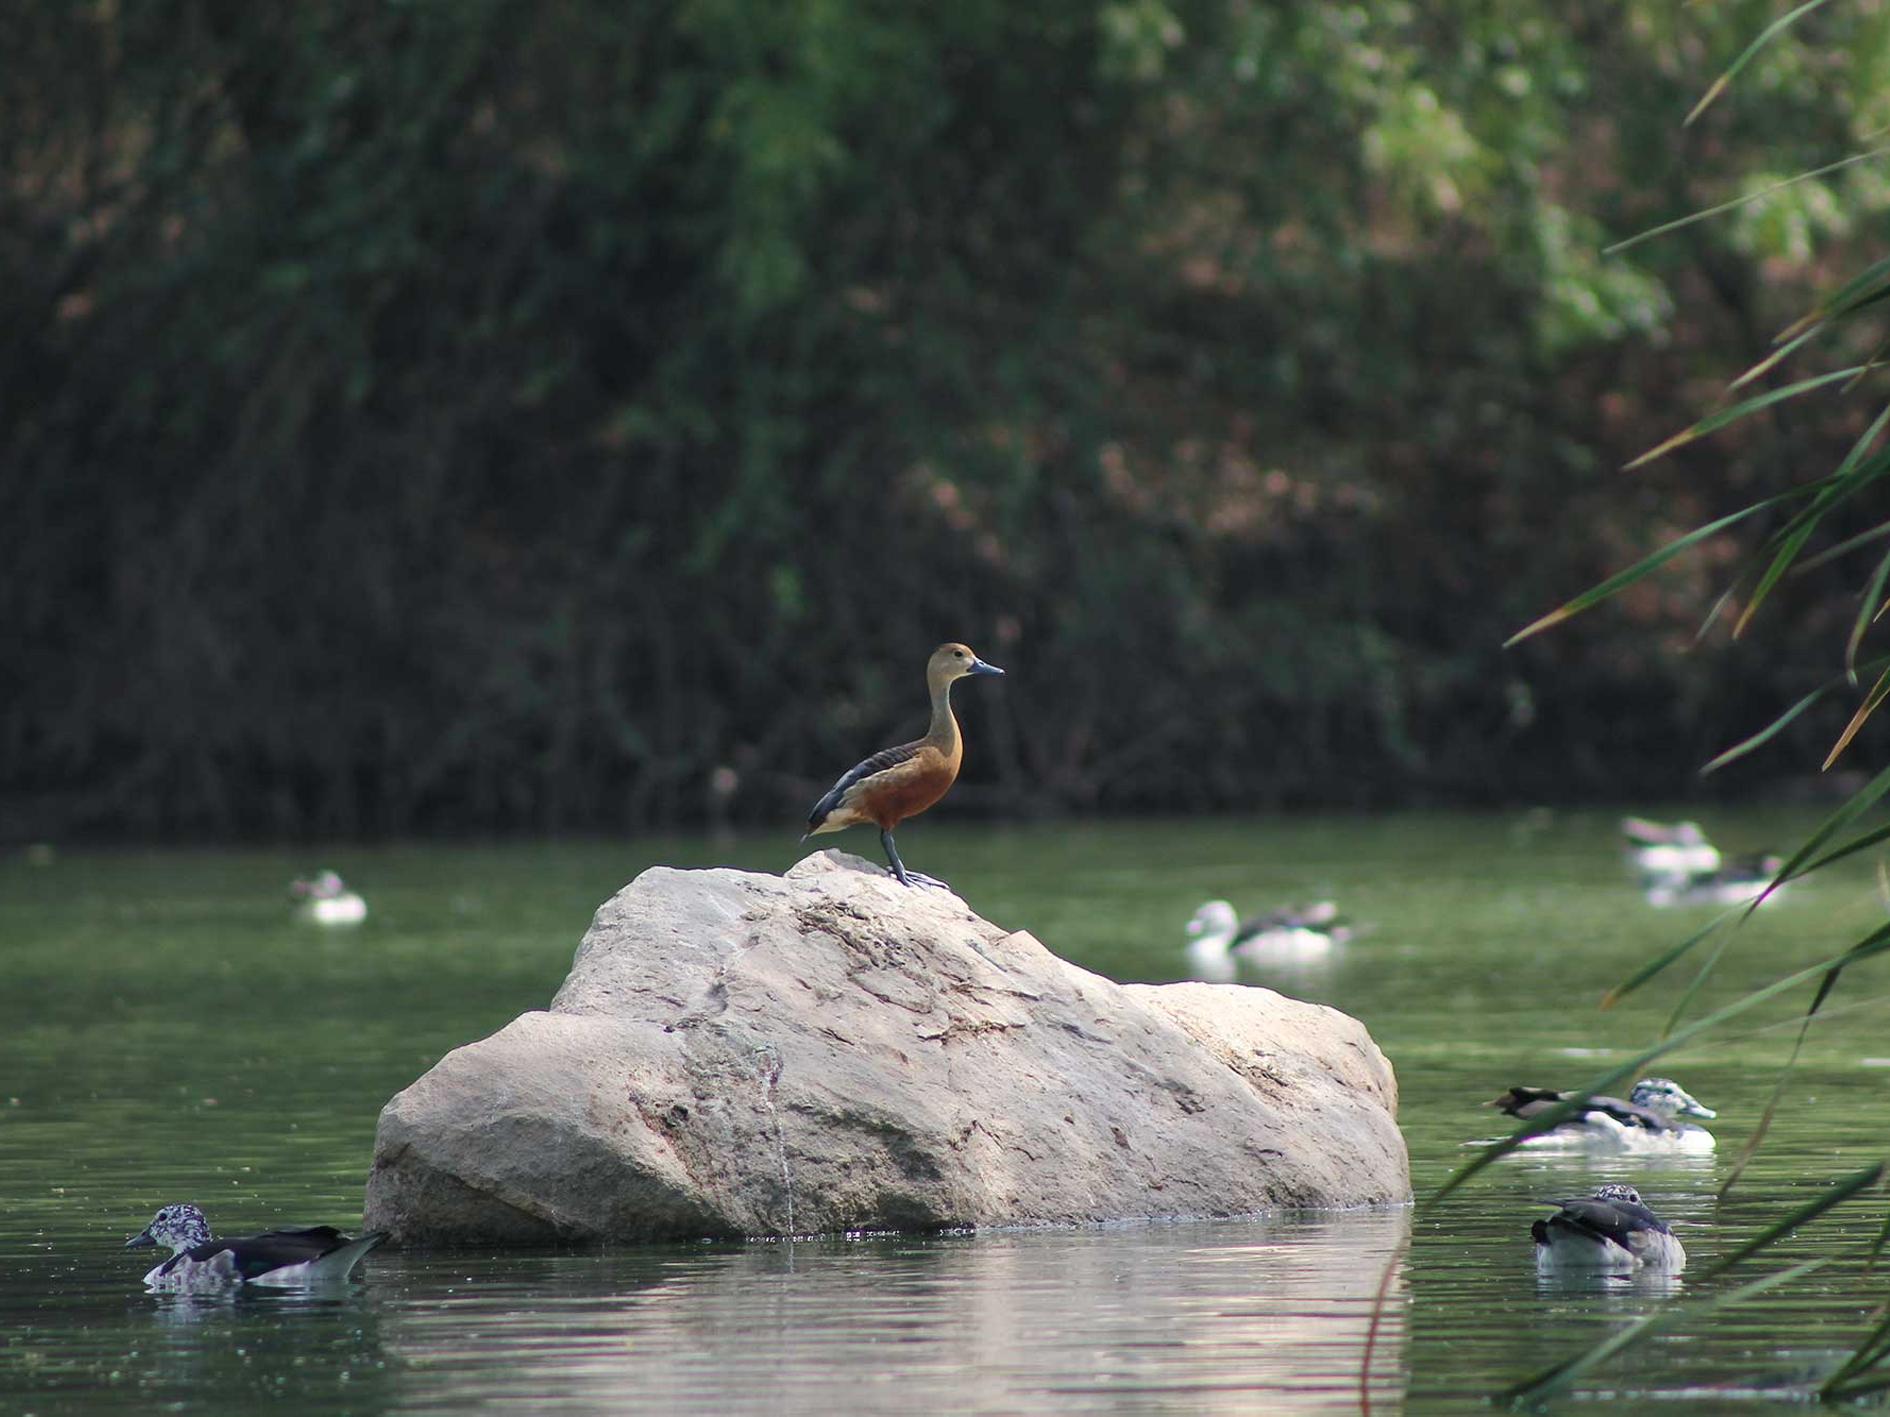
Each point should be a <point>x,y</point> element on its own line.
<point>167,1033</point>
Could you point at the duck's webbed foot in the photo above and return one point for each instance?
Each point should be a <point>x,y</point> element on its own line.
<point>905,877</point>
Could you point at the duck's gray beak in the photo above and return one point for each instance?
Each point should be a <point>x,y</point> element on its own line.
<point>978,666</point>
<point>140,1240</point>
<point>1697,1109</point>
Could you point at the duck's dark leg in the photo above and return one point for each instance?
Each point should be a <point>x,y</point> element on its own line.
<point>906,878</point>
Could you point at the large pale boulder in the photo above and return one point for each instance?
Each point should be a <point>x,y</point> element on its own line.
<point>743,1054</point>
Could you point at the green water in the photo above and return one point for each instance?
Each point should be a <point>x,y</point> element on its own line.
<point>167,1032</point>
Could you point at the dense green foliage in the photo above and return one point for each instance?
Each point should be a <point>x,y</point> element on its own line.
<point>443,414</point>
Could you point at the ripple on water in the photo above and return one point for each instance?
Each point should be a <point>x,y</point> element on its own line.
<point>144,1058</point>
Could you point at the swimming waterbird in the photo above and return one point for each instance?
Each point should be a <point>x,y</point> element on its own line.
<point>1649,1120</point>
<point>1217,935</point>
<point>1668,851</point>
<point>291,1256</point>
<point>1610,1231</point>
<point>325,899</point>
<point>1737,880</point>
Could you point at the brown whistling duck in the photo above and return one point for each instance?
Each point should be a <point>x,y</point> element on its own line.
<point>896,783</point>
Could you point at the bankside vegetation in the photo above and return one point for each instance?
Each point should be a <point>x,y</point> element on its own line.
<point>580,414</point>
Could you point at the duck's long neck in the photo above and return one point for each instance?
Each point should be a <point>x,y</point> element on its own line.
<point>1211,945</point>
<point>943,734</point>
<point>1216,939</point>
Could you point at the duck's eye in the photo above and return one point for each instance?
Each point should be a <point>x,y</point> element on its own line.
<point>958,654</point>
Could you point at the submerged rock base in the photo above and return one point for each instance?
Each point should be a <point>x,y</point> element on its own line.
<point>736,1054</point>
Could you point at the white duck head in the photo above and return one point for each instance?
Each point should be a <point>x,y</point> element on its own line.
<point>1210,936</point>
<point>176,1227</point>
<point>1668,1098</point>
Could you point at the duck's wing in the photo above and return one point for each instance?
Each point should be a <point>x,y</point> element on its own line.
<point>1525,1101</point>
<point>1639,831</point>
<point>880,762</point>
<point>1628,1114</point>
<point>1528,1102</point>
<point>253,1255</point>
<point>1603,1220</point>
<point>1259,924</point>
<point>1318,916</point>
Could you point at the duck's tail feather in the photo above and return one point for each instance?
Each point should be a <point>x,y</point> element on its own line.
<point>338,1264</point>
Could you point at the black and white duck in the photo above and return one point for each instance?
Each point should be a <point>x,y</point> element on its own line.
<point>1610,1231</point>
<point>325,899</point>
<point>290,1256</point>
<point>1217,936</point>
<point>1668,850</point>
<point>1649,1120</point>
<point>1735,881</point>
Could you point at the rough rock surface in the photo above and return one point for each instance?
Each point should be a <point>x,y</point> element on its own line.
<point>743,1054</point>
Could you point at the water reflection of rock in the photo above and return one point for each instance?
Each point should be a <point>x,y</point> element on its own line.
<point>1244,1316</point>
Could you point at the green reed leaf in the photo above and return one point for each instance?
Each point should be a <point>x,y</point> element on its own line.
<point>1838,1193</point>
<point>1691,992</point>
<point>1713,422</point>
<point>1766,36</point>
<point>1864,710</point>
<point>1867,609</point>
<point>1777,725</point>
<point>1622,579</point>
<point>1661,961</point>
<point>1845,547</point>
<point>1855,806</point>
<point>1559,1376</point>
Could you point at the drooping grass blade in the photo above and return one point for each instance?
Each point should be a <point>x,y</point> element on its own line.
<point>1766,36</point>
<point>1877,693</point>
<point>1874,837</point>
<point>1872,1351</point>
<point>1855,473</point>
<point>1713,422</point>
<point>1770,1110</point>
<point>1768,733</point>
<point>1867,609</point>
<point>1839,1192</point>
<point>1844,547</point>
<point>1737,202</point>
<point>1691,992</point>
<point>1661,961</point>
<point>1771,730</point>
<point>1861,289</point>
<point>1560,1376</point>
<point>1855,806</point>
<point>1784,351</point>
<point>1876,1245</point>
<point>1620,580</point>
